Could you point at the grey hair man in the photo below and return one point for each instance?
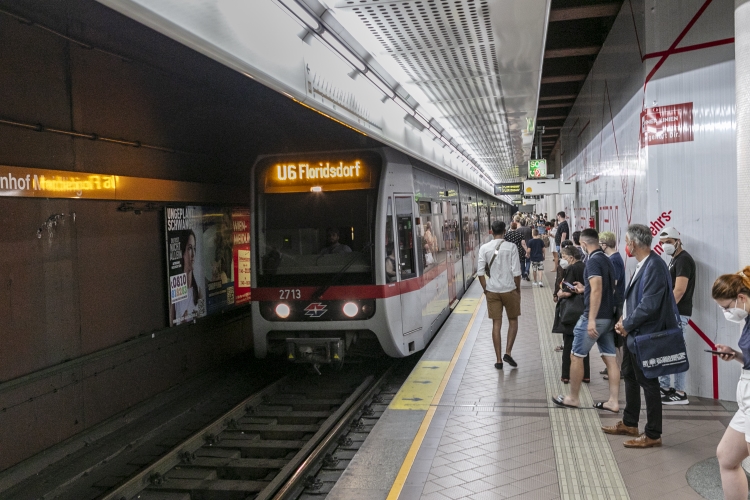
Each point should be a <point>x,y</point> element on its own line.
<point>648,304</point>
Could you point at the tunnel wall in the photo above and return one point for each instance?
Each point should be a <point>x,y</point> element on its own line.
<point>688,184</point>
<point>83,309</point>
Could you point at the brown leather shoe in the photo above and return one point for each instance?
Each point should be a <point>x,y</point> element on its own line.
<point>643,441</point>
<point>621,429</point>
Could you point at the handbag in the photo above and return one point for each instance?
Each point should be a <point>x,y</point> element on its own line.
<point>571,309</point>
<point>664,352</point>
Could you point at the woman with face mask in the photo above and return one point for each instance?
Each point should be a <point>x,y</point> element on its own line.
<point>570,261</point>
<point>732,293</point>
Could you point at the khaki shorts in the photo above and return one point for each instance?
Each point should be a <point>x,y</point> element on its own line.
<point>511,301</point>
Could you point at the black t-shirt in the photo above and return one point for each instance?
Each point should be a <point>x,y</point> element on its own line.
<point>537,249</point>
<point>525,233</point>
<point>598,264</point>
<point>562,228</point>
<point>684,265</point>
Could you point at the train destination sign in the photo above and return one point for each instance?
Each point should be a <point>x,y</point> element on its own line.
<point>509,188</point>
<point>667,124</point>
<point>299,177</point>
<point>537,169</point>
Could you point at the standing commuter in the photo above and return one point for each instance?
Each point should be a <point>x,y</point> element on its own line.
<point>514,236</point>
<point>608,242</point>
<point>525,231</point>
<point>648,304</point>
<point>499,273</point>
<point>535,255</point>
<point>732,293</point>
<point>574,272</point>
<point>562,233</point>
<point>595,325</point>
<point>682,270</point>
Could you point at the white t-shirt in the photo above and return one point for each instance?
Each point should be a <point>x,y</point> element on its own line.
<point>506,266</point>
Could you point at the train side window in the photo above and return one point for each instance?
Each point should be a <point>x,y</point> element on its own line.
<point>405,232</point>
<point>391,269</point>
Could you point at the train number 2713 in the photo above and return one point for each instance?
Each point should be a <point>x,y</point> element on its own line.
<point>290,293</point>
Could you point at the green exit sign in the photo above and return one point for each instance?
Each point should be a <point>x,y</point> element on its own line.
<point>537,169</point>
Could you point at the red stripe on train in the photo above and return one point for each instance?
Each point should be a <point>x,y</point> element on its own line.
<point>349,291</point>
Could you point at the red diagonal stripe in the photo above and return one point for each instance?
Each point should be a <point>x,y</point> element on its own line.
<point>679,39</point>
<point>689,48</point>
<point>715,367</point>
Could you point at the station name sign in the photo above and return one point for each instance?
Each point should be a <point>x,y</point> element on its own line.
<point>301,177</point>
<point>667,124</point>
<point>509,188</point>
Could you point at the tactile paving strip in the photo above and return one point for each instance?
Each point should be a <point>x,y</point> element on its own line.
<point>586,466</point>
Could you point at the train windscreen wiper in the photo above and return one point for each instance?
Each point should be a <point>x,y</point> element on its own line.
<point>320,291</point>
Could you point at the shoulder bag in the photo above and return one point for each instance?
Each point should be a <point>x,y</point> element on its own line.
<point>661,353</point>
<point>489,265</point>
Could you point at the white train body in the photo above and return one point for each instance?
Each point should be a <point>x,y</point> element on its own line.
<point>411,235</point>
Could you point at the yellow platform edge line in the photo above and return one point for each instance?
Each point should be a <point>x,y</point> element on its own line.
<point>411,455</point>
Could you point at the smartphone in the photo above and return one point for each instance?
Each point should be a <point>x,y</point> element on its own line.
<point>569,285</point>
<point>716,352</point>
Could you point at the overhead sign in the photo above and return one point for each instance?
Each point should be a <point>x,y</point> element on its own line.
<point>537,169</point>
<point>509,188</point>
<point>667,124</point>
<point>208,256</point>
<point>299,177</point>
<point>545,186</point>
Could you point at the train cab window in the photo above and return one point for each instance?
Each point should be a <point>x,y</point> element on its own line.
<point>391,268</point>
<point>405,231</point>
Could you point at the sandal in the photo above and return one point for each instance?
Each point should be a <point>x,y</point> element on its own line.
<point>587,381</point>
<point>559,401</point>
<point>600,406</point>
<point>559,348</point>
<point>565,380</point>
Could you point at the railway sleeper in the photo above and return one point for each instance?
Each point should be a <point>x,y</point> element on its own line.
<point>218,489</point>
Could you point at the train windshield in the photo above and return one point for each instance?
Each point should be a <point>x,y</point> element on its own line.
<point>316,237</point>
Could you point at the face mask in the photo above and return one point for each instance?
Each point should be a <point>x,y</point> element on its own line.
<point>735,314</point>
<point>668,248</point>
<point>564,263</point>
<point>627,251</point>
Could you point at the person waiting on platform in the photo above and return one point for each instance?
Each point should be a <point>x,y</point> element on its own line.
<point>648,305</point>
<point>570,261</point>
<point>535,255</point>
<point>682,270</point>
<point>595,325</point>
<point>732,293</point>
<point>562,233</point>
<point>332,237</point>
<point>608,242</point>
<point>499,273</point>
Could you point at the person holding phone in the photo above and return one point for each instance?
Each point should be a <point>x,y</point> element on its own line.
<point>732,293</point>
<point>574,270</point>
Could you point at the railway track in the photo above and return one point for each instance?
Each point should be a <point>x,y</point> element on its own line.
<point>265,447</point>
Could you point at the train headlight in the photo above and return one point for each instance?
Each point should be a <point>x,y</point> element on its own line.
<point>283,311</point>
<point>351,309</point>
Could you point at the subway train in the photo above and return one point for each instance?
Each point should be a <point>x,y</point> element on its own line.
<point>359,253</point>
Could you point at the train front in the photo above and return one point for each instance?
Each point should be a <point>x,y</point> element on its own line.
<point>314,276</point>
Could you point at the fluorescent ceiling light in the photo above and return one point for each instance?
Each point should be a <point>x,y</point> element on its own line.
<point>344,51</point>
<point>421,119</point>
<point>301,13</point>
<point>404,105</point>
<point>380,84</point>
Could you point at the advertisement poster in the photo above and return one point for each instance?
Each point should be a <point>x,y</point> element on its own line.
<point>208,256</point>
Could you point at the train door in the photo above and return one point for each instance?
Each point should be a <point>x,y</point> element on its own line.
<point>451,252</point>
<point>411,306</point>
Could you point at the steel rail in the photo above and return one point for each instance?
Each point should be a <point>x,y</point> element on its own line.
<point>143,479</point>
<point>317,446</point>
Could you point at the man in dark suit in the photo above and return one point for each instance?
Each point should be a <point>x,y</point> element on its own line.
<point>648,302</point>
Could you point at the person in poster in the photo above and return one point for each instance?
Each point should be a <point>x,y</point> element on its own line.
<point>193,305</point>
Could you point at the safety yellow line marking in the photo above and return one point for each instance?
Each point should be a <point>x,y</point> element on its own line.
<point>421,386</point>
<point>466,306</point>
<point>403,473</point>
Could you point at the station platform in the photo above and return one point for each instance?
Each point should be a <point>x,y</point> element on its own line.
<point>459,428</point>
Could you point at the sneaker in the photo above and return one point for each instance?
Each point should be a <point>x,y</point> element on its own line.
<point>675,398</point>
<point>533,283</point>
<point>667,391</point>
<point>510,360</point>
<point>541,285</point>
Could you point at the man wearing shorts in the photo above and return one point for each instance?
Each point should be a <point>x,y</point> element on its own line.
<point>596,324</point>
<point>499,272</point>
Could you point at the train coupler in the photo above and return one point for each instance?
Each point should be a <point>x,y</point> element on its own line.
<point>315,351</point>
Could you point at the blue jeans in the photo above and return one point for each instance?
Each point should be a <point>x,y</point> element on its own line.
<point>526,266</point>
<point>582,343</point>
<point>679,378</point>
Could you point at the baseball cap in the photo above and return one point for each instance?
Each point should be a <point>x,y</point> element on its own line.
<point>669,232</point>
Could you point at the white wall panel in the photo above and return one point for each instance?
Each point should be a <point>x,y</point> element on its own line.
<point>692,184</point>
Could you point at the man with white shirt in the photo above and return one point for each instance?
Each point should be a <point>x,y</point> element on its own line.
<point>648,304</point>
<point>499,272</point>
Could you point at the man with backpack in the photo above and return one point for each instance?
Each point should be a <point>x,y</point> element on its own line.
<point>499,272</point>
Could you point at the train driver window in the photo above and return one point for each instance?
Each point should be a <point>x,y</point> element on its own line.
<point>391,269</point>
<point>405,231</point>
